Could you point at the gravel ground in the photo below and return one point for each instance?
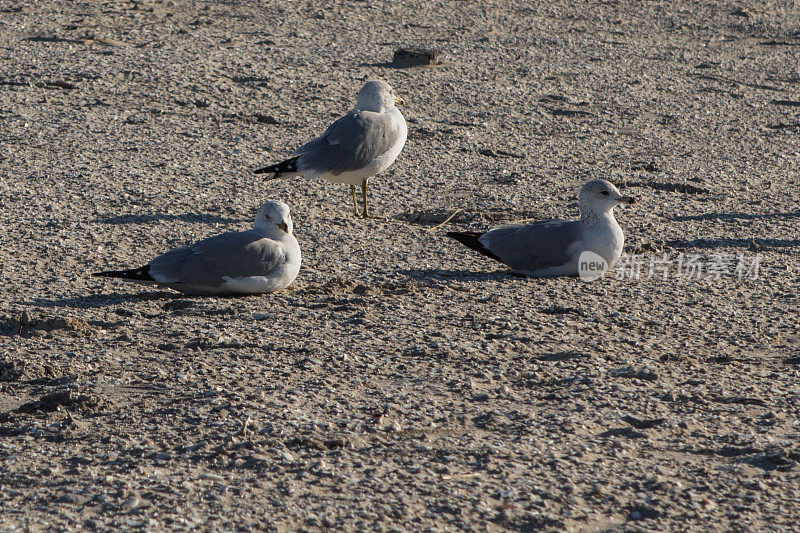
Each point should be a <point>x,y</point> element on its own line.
<point>403,382</point>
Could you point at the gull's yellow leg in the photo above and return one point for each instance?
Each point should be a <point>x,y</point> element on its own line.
<point>365,213</point>
<point>355,202</point>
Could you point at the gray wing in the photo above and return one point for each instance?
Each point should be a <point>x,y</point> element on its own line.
<point>534,246</point>
<point>232,254</point>
<point>350,143</point>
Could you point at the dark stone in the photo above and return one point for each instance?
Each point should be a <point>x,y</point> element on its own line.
<point>414,57</point>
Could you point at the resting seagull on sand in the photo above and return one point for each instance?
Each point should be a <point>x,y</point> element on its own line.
<point>552,247</point>
<point>364,142</point>
<point>263,259</point>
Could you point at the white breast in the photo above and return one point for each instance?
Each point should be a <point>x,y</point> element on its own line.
<point>387,158</point>
<point>604,237</point>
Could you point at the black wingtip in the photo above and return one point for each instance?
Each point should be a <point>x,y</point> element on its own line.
<point>141,274</point>
<point>284,167</point>
<point>470,240</point>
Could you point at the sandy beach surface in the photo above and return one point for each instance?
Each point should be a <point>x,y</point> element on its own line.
<point>403,382</point>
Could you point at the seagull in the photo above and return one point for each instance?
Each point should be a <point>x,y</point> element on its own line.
<point>357,146</point>
<point>261,260</point>
<point>553,247</point>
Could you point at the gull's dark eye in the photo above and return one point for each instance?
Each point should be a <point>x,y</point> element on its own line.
<point>604,193</point>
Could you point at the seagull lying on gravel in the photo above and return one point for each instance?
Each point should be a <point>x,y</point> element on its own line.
<point>553,247</point>
<point>355,147</point>
<point>263,259</point>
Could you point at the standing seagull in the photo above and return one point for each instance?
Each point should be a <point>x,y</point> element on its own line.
<point>263,259</point>
<point>364,142</point>
<point>552,247</point>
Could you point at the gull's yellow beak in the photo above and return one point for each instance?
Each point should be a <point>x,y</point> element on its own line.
<point>399,101</point>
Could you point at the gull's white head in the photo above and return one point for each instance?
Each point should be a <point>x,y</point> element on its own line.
<point>600,196</point>
<point>274,215</point>
<point>378,96</point>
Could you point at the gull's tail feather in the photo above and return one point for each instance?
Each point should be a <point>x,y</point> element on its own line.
<point>284,169</point>
<point>470,240</point>
<point>138,274</point>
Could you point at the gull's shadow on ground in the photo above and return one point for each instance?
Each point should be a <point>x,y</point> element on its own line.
<point>735,216</point>
<point>459,275</point>
<point>733,243</point>
<point>185,217</point>
<point>103,300</point>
